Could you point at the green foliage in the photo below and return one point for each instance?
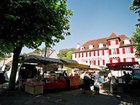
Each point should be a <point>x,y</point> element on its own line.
<point>66,53</point>
<point>69,54</point>
<point>136,8</point>
<point>31,22</point>
<point>104,72</point>
<point>136,39</point>
<point>136,35</point>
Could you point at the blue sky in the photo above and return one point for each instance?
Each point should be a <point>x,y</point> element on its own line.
<point>93,19</point>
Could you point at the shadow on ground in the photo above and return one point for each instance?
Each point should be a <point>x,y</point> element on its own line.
<point>73,97</point>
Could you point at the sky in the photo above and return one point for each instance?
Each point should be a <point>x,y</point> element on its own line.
<point>93,19</point>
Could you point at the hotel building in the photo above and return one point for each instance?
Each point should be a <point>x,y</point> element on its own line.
<point>113,49</point>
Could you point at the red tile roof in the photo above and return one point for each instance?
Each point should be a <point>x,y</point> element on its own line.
<point>112,36</point>
<point>104,41</point>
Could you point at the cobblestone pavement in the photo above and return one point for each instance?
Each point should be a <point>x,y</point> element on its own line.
<point>73,97</point>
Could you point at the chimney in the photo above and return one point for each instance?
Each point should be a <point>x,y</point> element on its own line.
<point>78,45</point>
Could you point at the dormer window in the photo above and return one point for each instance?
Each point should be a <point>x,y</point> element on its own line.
<point>126,41</point>
<point>104,45</point>
<point>101,45</point>
<point>91,47</point>
<point>82,48</point>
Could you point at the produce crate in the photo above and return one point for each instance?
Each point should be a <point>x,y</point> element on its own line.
<point>34,89</point>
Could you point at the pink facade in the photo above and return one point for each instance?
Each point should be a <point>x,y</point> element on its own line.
<point>112,49</point>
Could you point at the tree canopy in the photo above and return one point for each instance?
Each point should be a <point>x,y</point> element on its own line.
<point>136,35</point>
<point>66,53</point>
<point>29,23</point>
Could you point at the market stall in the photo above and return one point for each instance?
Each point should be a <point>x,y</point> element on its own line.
<point>32,73</point>
<point>75,80</point>
<point>119,71</point>
<point>49,76</point>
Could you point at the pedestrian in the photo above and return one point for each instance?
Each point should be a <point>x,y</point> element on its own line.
<point>96,87</point>
<point>86,83</point>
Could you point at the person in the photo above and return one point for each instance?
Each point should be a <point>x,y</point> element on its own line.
<point>127,78</point>
<point>96,86</point>
<point>67,79</point>
<point>112,84</point>
<point>86,83</point>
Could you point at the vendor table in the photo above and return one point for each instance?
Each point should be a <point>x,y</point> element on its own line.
<point>34,87</point>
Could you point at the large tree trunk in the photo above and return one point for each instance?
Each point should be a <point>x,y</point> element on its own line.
<point>16,54</point>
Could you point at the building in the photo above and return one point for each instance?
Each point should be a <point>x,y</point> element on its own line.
<point>113,49</point>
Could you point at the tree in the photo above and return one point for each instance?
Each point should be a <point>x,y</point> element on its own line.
<point>69,54</point>
<point>136,35</point>
<point>66,53</point>
<point>29,23</point>
<point>136,8</point>
<point>136,39</point>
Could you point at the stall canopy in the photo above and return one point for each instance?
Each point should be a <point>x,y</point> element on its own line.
<point>74,64</point>
<point>40,59</point>
<point>121,65</point>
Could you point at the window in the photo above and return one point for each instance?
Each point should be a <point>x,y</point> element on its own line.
<point>103,62</point>
<point>86,54</point>
<point>98,62</point>
<point>90,54</point>
<point>101,45</point>
<point>75,55</point>
<point>98,53</point>
<point>114,51</point>
<point>82,54</point>
<point>94,62</point>
<point>102,52</point>
<point>79,55</point>
<point>127,49</point>
<point>90,62</point>
<point>91,47</point>
<point>94,53</point>
<point>126,41</point>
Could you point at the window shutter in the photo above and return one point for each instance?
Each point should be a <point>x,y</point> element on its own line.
<point>117,42</point>
<point>123,50</point>
<point>131,49</point>
<point>109,52</point>
<point>119,60</point>
<point>118,52</point>
<point>90,62</point>
<point>109,43</point>
<point>124,59</point>
<point>110,60</point>
<point>98,52</point>
<point>133,59</point>
<point>102,52</point>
